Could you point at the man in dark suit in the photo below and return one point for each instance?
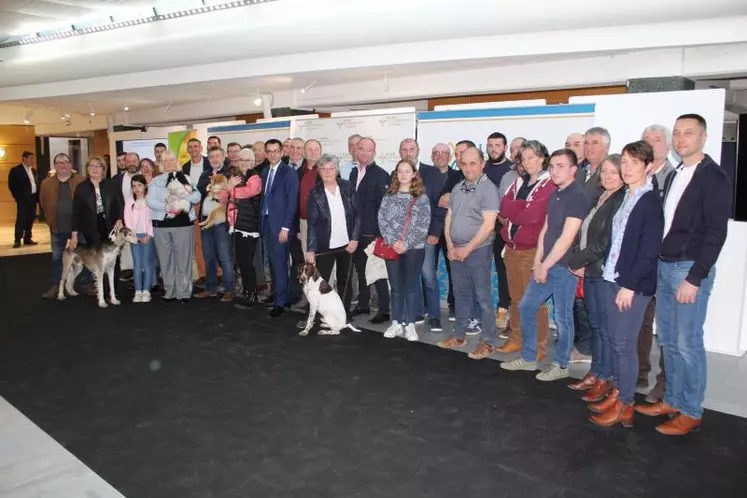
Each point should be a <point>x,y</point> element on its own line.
<point>370,182</point>
<point>22,183</point>
<point>277,220</point>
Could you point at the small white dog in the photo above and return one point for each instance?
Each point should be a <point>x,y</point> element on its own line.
<point>177,189</point>
<point>324,300</point>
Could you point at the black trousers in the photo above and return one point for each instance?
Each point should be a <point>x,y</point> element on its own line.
<point>444,250</point>
<point>25,214</point>
<point>382,286</point>
<point>297,258</point>
<point>244,249</point>
<point>504,301</point>
<point>324,264</point>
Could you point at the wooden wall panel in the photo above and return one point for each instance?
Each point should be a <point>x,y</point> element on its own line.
<point>14,140</point>
<point>99,143</point>
<point>551,96</point>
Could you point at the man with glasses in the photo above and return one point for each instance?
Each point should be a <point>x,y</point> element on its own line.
<point>434,182</point>
<point>56,200</point>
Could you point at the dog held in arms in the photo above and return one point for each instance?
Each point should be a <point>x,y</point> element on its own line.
<point>100,260</point>
<point>217,190</point>
<point>324,300</point>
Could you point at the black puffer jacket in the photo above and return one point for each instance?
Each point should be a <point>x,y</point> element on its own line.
<point>248,210</point>
<point>598,237</point>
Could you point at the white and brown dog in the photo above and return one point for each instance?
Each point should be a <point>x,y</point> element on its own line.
<point>100,260</point>
<point>324,300</point>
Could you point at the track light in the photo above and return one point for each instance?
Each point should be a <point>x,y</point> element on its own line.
<point>308,87</point>
<point>126,108</point>
<point>90,107</point>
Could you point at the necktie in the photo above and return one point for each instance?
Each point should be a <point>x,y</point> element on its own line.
<point>268,190</point>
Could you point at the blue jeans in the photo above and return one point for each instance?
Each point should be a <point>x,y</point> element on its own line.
<point>561,285</point>
<point>601,349</point>
<point>216,247</point>
<point>624,327</point>
<point>404,278</point>
<point>472,278</point>
<point>142,264</point>
<point>680,331</point>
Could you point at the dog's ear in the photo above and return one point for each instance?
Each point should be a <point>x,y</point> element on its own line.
<point>324,287</point>
<point>316,275</point>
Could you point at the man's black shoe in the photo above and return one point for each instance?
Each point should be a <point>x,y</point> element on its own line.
<point>380,318</point>
<point>360,311</point>
<point>16,244</point>
<point>29,242</point>
<point>276,311</point>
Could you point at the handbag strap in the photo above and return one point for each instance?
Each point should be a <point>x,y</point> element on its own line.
<point>408,219</point>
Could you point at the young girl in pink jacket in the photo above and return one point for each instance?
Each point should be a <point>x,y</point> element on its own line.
<point>137,218</point>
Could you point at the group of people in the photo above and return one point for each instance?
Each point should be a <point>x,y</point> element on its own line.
<point>615,239</point>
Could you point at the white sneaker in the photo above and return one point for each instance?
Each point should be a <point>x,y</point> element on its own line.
<point>138,297</point>
<point>474,327</point>
<point>519,364</point>
<point>410,333</point>
<point>394,330</point>
<point>552,372</point>
<point>146,297</point>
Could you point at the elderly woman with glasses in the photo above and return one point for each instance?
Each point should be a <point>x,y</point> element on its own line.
<point>245,196</point>
<point>333,226</point>
<point>174,234</point>
<point>96,208</point>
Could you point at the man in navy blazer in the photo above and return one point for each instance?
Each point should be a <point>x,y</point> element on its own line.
<point>277,220</point>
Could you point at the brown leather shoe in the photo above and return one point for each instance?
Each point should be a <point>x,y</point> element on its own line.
<point>656,409</point>
<point>509,347</point>
<point>679,425</point>
<point>205,294</point>
<point>481,352</point>
<point>584,384</point>
<point>451,343</point>
<point>619,413</point>
<point>605,405</point>
<point>597,392</point>
<point>227,297</point>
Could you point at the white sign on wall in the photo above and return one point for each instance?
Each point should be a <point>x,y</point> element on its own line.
<point>387,129</point>
<point>625,116</point>
<point>247,134</point>
<point>548,124</point>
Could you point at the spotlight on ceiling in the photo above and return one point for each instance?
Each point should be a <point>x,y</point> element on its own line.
<point>308,87</point>
<point>90,107</point>
<point>126,108</point>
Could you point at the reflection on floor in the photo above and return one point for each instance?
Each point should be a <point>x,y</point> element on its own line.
<point>33,465</point>
<point>40,233</point>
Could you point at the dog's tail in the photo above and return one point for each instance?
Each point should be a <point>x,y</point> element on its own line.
<point>351,327</point>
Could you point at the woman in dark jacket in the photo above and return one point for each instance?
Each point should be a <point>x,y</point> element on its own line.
<point>630,279</point>
<point>245,194</point>
<point>333,226</point>
<point>96,210</point>
<point>586,261</point>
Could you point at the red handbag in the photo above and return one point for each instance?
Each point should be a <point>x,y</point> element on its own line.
<point>580,288</point>
<point>384,250</point>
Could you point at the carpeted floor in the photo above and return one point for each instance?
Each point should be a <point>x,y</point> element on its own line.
<point>165,400</point>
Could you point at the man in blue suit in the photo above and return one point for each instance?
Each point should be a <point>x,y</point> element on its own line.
<point>277,220</point>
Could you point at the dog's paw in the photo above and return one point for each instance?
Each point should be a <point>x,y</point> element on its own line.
<point>102,304</point>
<point>115,302</point>
<point>73,294</point>
<point>304,332</point>
<point>60,297</point>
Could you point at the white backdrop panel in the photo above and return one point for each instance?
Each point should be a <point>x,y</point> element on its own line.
<point>249,133</point>
<point>388,130</point>
<point>548,124</point>
<point>626,115</point>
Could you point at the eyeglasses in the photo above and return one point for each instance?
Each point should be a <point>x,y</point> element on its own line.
<point>441,153</point>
